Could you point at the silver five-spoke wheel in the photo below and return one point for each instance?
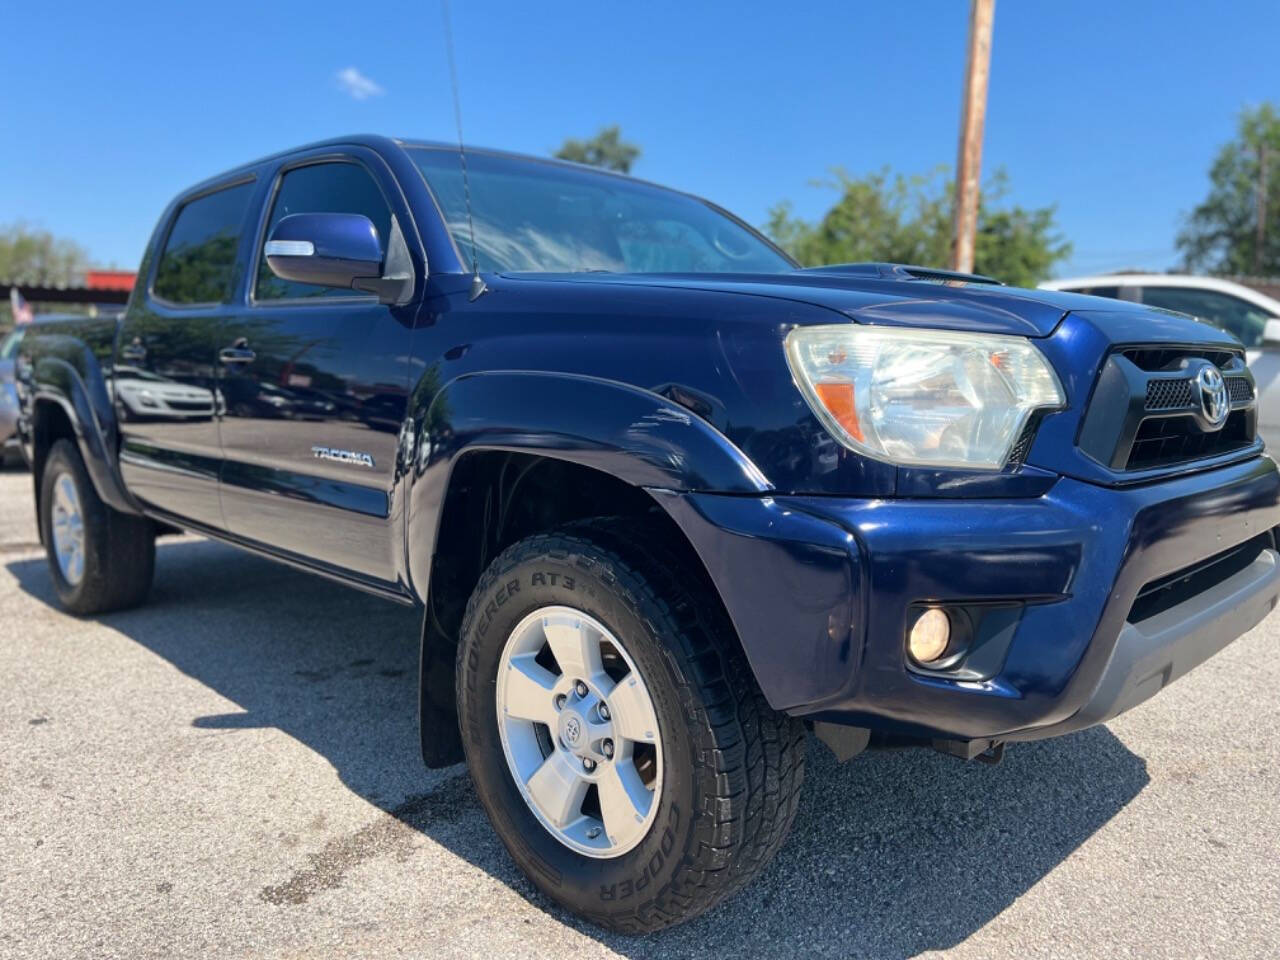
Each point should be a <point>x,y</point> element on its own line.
<point>68,529</point>
<point>579,731</point>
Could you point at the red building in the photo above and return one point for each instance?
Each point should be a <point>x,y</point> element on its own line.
<point>109,280</point>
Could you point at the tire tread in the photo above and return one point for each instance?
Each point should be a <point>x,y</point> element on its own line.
<point>751,758</point>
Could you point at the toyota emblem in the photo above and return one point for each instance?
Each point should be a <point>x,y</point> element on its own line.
<point>572,730</point>
<point>1214,403</point>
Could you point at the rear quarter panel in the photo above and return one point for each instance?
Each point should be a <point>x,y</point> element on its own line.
<point>67,364</point>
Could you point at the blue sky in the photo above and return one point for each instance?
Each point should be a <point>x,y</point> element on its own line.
<point>1112,110</point>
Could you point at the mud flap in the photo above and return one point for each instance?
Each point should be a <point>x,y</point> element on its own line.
<point>437,706</point>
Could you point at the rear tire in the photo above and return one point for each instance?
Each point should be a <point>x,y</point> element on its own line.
<point>100,559</point>
<point>728,782</point>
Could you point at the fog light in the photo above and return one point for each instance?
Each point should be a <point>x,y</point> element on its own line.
<point>929,637</point>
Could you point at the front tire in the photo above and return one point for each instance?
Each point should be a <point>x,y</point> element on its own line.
<point>100,559</point>
<point>712,790</point>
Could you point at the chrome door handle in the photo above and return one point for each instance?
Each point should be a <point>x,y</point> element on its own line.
<point>236,355</point>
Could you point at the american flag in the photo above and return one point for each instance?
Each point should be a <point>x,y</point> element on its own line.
<point>22,312</point>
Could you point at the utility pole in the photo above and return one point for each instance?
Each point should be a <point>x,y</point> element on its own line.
<point>973,116</point>
<point>1261,232</point>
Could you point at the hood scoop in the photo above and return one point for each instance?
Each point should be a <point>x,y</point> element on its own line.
<point>901,271</point>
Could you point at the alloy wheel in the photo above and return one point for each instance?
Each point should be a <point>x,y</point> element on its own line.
<point>579,731</point>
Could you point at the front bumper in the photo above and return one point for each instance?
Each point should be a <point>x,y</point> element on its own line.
<point>821,591</point>
<point>1152,653</point>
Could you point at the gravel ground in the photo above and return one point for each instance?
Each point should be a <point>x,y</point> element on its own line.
<point>231,771</point>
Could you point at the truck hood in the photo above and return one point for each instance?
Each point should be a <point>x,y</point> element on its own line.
<point>951,305</point>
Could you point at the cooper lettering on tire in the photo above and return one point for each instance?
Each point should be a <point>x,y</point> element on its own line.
<point>603,699</point>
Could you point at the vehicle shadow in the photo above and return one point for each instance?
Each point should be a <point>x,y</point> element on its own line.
<point>891,855</point>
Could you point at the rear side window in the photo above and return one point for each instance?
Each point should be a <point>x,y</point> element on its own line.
<point>199,258</point>
<point>321,188</point>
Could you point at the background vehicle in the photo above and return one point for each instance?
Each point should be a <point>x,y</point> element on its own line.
<point>9,451</point>
<point>1245,313</point>
<point>663,498</point>
<point>143,394</point>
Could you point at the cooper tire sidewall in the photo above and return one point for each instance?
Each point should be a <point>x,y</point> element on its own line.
<point>591,884</point>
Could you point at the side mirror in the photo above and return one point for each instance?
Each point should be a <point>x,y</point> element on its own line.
<point>1271,333</point>
<point>326,249</point>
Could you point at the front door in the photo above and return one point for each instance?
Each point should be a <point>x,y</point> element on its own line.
<point>315,382</point>
<point>164,376</point>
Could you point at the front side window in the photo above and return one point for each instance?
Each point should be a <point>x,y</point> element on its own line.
<point>321,188</point>
<point>199,258</point>
<point>548,218</point>
<point>1238,317</point>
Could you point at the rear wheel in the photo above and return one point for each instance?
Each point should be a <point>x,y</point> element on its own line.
<point>614,731</point>
<point>99,559</point>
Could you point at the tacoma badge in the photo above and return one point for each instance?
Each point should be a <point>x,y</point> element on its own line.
<point>343,456</point>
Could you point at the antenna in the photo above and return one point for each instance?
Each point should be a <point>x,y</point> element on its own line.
<point>477,284</point>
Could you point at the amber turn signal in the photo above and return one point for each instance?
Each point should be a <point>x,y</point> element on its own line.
<point>839,402</point>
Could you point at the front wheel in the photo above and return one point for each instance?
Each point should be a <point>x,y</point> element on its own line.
<point>616,736</point>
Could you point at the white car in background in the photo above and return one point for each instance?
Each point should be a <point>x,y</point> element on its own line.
<point>1251,316</point>
<point>144,395</point>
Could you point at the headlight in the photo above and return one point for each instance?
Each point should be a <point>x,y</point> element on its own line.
<point>922,397</point>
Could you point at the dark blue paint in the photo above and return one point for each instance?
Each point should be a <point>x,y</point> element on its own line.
<point>344,246</point>
<point>1077,557</point>
<point>676,384</point>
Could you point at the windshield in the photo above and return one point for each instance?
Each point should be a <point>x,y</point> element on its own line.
<point>549,218</point>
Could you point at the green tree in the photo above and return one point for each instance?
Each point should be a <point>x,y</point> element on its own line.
<point>907,219</point>
<point>37,257</point>
<point>606,149</point>
<point>1221,234</point>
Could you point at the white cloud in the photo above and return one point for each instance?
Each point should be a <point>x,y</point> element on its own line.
<point>356,85</point>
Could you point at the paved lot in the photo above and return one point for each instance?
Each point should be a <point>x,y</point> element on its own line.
<point>232,771</point>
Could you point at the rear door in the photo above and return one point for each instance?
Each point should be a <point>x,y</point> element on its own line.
<point>316,382</point>
<point>164,377</point>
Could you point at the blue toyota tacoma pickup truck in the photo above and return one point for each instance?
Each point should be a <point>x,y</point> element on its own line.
<point>666,500</point>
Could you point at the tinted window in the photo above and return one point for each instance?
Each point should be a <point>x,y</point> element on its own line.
<point>544,217</point>
<point>321,188</point>
<point>1238,317</point>
<point>199,258</point>
<point>1112,292</point>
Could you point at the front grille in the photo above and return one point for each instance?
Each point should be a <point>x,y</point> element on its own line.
<point>1156,359</point>
<point>1168,591</point>
<point>1168,394</point>
<point>1165,441</point>
<point>1146,411</point>
<point>1239,389</point>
